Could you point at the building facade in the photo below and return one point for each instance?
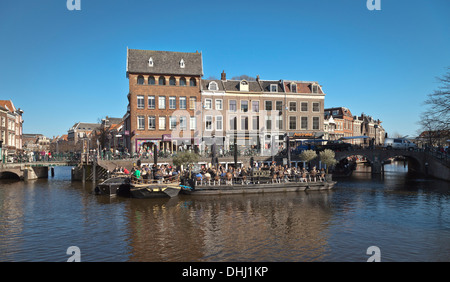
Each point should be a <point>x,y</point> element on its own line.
<point>258,115</point>
<point>11,126</point>
<point>172,107</point>
<point>164,92</point>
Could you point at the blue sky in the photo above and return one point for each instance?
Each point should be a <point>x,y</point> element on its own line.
<point>63,66</point>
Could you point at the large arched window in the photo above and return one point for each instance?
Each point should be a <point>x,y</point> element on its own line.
<point>140,80</point>
<point>182,81</point>
<point>151,80</point>
<point>192,82</point>
<point>162,80</point>
<point>172,81</point>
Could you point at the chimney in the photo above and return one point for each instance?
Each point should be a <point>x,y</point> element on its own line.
<point>223,76</point>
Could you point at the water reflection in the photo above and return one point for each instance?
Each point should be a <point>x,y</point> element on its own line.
<point>406,216</point>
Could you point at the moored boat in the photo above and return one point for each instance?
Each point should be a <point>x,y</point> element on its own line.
<point>154,190</point>
<point>113,185</point>
<point>255,184</point>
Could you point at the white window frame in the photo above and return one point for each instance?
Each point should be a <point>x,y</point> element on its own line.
<point>213,86</point>
<point>208,104</point>
<point>181,99</point>
<point>272,88</point>
<point>192,123</point>
<point>142,118</point>
<point>171,120</point>
<point>220,105</point>
<point>162,125</point>
<point>208,119</point>
<point>172,102</point>
<point>154,102</point>
<point>140,102</point>
<point>219,122</point>
<point>240,108</point>
<point>162,106</point>
<point>154,123</point>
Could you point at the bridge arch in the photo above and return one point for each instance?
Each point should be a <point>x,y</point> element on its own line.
<point>377,158</point>
<point>9,175</point>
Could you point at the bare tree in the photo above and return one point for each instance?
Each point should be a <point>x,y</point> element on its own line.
<point>244,76</point>
<point>438,112</point>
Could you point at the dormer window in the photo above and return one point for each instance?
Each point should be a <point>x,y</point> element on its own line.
<point>293,87</point>
<point>315,88</point>
<point>150,62</point>
<point>182,65</point>
<point>213,86</point>
<point>273,88</point>
<point>243,85</point>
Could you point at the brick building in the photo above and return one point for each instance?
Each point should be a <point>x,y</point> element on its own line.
<point>164,90</point>
<point>171,106</point>
<point>343,119</point>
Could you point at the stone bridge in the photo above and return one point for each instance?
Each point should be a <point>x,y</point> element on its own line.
<point>31,170</point>
<point>418,161</point>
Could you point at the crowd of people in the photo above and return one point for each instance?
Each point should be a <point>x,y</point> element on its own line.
<point>216,175</point>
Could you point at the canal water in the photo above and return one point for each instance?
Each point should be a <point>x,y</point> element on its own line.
<point>406,218</point>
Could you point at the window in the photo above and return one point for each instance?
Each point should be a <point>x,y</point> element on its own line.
<point>192,101</point>
<point>140,80</point>
<point>172,122</point>
<point>279,120</point>
<point>162,102</point>
<point>316,122</point>
<point>151,102</point>
<point>232,106</point>
<point>192,82</point>
<point>244,106</point>
<point>151,80</point>
<point>213,86</point>
<point>244,123</point>
<point>140,102</point>
<point>279,105</point>
<point>255,123</point>
<point>304,124</point>
<point>304,106</point>
<point>141,123</point>
<point>172,102</point>
<point>182,65</point>
<point>269,122</point>
<point>294,87</point>
<point>233,123</point>
<point>183,103</point>
<point>183,123</point>
<point>219,104</point>
<point>208,104</point>
<point>193,123</point>
<point>255,106</point>
<point>150,62</point>
<point>162,123</point>
<point>292,123</point>
<point>315,88</point>
<point>273,88</point>
<point>219,123</point>
<point>182,81</point>
<point>292,106</point>
<point>208,122</point>
<point>172,81</point>
<point>268,105</point>
<point>316,107</point>
<point>151,122</point>
<point>162,80</point>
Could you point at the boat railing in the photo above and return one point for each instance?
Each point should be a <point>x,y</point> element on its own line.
<point>163,179</point>
<point>245,180</point>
